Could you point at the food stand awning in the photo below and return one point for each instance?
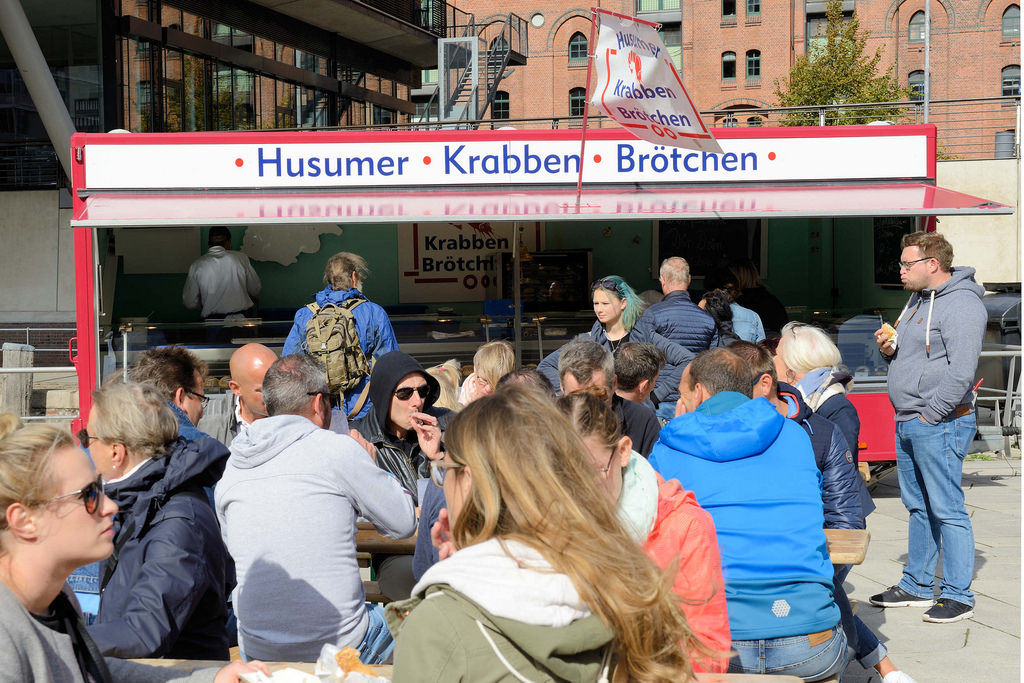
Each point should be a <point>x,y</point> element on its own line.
<point>141,209</point>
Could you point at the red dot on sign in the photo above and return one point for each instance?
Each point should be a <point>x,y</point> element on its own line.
<point>426,161</point>
<point>597,158</point>
<point>771,156</point>
<point>238,163</point>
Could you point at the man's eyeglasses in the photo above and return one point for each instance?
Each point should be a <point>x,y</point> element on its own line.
<point>438,469</point>
<point>203,398</point>
<point>85,439</point>
<point>907,265</point>
<point>334,400</point>
<point>90,494</point>
<point>610,285</point>
<point>405,393</point>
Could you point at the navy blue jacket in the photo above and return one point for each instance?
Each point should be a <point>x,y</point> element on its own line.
<point>167,596</point>
<point>846,499</point>
<point>677,319</point>
<point>840,411</point>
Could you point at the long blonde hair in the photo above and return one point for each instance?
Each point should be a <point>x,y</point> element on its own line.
<point>25,475</point>
<point>448,376</point>
<point>531,483</point>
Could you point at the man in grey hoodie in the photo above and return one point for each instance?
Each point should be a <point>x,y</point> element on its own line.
<point>287,505</point>
<point>933,355</point>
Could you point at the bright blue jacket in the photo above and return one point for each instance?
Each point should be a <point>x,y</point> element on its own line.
<point>372,325</point>
<point>754,471</point>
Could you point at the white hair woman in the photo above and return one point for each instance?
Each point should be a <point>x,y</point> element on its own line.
<point>169,547</point>
<point>808,358</point>
<point>56,518</point>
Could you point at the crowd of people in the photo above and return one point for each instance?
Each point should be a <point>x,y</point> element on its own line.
<point>649,502</point>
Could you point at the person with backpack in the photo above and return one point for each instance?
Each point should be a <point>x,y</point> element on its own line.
<point>345,331</point>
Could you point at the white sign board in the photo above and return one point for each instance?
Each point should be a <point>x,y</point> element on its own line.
<point>454,261</point>
<point>638,86</point>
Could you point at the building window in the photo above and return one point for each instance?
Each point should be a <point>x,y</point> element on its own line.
<point>916,29</point>
<point>499,107</point>
<point>428,77</point>
<point>728,66</point>
<point>755,122</point>
<point>753,65</point>
<point>1011,23</point>
<point>672,36</point>
<point>578,48</point>
<point>916,83</point>
<point>730,122</point>
<point>577,101</point>
<point>729,10</point>
<point>382,116</point>
<point>656,5</point>
<point>1011,80</point>
<point>754,7</point>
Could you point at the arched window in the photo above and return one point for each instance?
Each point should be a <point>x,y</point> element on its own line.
<point>916,83</point>
<point>578,47</point>
<point>1011,80</point>
<point>753,65</point>
<point>499,44</point>
<point>728,66</point>
<point>577,101</point>
<point>499,107</point>
<point>916,30</point>
<point>1011,22</point>
<point>755,122</point>
<point>730,122</point>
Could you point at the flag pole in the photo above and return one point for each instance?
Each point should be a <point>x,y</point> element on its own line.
<point>586,101</point>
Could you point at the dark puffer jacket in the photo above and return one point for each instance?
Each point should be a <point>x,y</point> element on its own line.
<point>167,595</point>
<point>677,319</point>
<point>400,457</point>
<point>846,498</point>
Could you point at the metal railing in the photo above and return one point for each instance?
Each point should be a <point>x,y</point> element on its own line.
<point>975,128</point>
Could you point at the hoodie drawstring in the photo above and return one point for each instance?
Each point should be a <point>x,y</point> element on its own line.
<point>928,328</point>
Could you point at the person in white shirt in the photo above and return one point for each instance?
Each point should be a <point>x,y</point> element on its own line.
<point>221,282</point>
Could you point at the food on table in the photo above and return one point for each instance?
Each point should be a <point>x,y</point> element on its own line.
<point>348,660</point>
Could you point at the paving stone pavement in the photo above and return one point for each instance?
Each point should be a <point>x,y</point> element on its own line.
<point>985,649</point>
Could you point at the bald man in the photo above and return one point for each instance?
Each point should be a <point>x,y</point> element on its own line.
<point>248,366</point>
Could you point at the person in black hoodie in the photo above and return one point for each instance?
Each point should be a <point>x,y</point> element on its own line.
<point>164,590</point>
<point>405,428</point>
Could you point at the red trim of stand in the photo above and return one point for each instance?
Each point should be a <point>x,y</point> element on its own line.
<point>85,292</point>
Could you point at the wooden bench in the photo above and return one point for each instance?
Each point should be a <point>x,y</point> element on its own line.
<point>847,546</point>
<point>369,542</point>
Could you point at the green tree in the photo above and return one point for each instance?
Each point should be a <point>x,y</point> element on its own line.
<point>836,70</point>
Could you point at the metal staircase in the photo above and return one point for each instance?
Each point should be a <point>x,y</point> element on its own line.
<point>470,68</point>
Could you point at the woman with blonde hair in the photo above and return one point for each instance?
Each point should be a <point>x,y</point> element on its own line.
<point>541,581</point>
<point>664,519</point>
<point>169,547</point>
<point>807,358</point>
<point>56,518</point>
<point>491,362</point>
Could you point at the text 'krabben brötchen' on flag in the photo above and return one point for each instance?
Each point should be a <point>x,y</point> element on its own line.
<point>638,86</point>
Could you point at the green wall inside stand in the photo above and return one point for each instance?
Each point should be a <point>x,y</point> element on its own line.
<point>620,248</point>
<point>806,258</point>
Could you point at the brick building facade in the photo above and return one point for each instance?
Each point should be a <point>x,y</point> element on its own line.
<point>732,51</point>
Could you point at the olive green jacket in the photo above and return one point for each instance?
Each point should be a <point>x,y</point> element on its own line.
<point>445,636</point>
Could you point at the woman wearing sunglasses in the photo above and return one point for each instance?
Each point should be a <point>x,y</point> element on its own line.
<point>618,309</point>
<point>164,592</point>
<point>56,518</point>
<point>664,519</point>
<point>544,583</point>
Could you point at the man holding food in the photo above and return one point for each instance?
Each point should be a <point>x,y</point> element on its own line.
<point>933,350</point>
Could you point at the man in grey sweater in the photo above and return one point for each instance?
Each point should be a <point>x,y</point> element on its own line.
<point>288,504</point>
<point>933,355</point>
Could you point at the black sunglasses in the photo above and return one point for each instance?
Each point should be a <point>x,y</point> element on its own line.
<point>604,284</point>
<point>334,400</point>
<point>84,438</point>
<point>90,494</point>
<point>203,398</point>
<point>405,393</point>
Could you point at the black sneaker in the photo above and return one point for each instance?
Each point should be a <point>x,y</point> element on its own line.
<point>947,611</point>
<point>897,597</point>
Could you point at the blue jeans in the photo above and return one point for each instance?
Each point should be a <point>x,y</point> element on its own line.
<point>866,647</point>
<point>791,656</point>
<point>378,645</point>
<point>666,410</point>
<point>930,463</point>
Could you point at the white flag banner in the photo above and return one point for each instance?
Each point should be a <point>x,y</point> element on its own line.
<point>638,86</point>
